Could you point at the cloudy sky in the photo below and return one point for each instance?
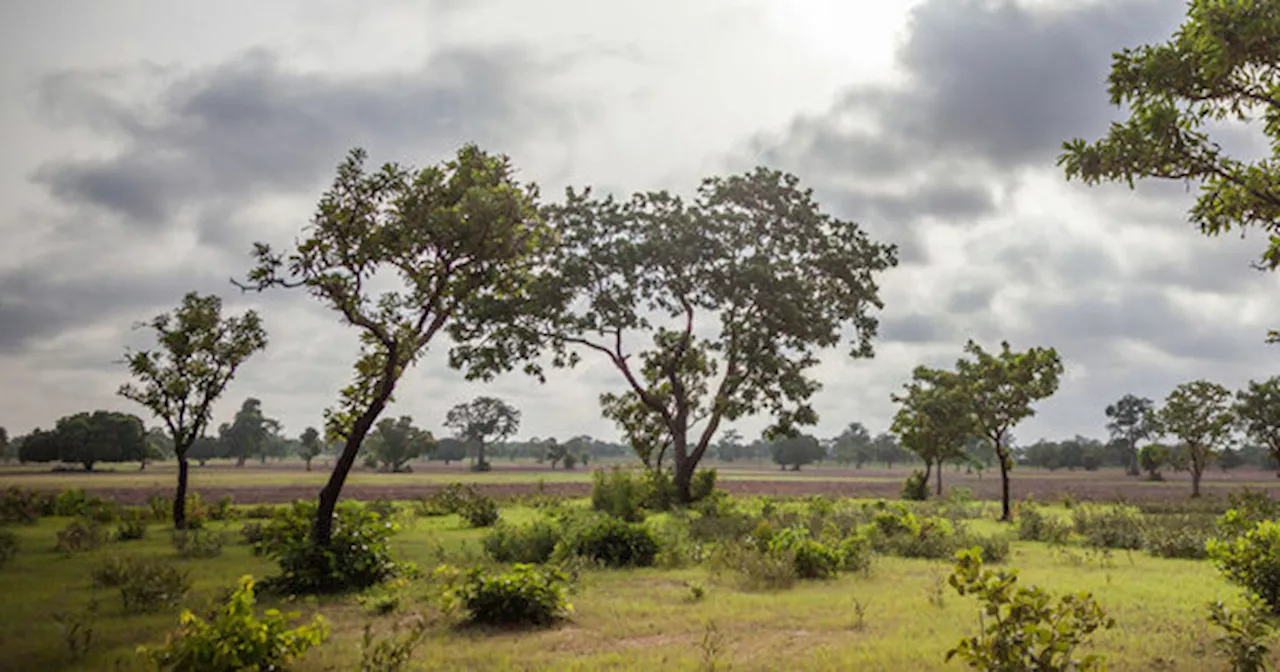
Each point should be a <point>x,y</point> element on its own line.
<point>149,143</point>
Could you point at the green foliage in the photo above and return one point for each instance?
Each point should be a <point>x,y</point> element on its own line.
<point>1245,634</point>
<point>88,438</point>
<point>1036,525</point>
<point>754,567</point>
<point>1252,561</point>
<point>198,543</point>
<point>1129,420</point>
<point>80,535</point>
<point>1258,409</point>
<point>111,571</point>
<point>22,506</point>
<point>523,595</point>
<point>77,628</point>
<point>1247,509</point>
<point>356,557</point>
<point>813,559</point>
<point>614,543</point>
<point>479,511</point>
<point>531,543</point>
<point>131,528</point>
<point>1027,630</point>
<point>1117,527</point>
<point>8,546</point>
<point>796,451</point>
<point>916,487</point>
<point>394,443</point>
<point>235,638</point>
<point>619,493</point>
<point>1201,414</point>
<point>935,419</point>
<point>1172,536</point>
<point>394,652</point>
<point>1153,457</point>
<point>151,584</point>
<point>485,420</point>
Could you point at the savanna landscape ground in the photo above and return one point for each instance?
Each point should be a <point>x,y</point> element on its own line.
<point>898,615</point>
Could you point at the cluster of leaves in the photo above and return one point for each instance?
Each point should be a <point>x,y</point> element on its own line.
<point>1115,526</point>
<point>198,543</point>
<point>132,527</point>
<point>525,594</point>
<point>235,638</point>
<point>1252,561</point>
<point>23,506</point>
<point>613,542</point>
<point>478,509</point>
<point>80,535</point>
<point>1036,525</point>
<point>531,543</point>
<point>151,584</point>
<point>356,557</point>
<point>1024,628</point>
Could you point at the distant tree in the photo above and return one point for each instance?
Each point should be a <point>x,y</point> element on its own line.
<point>160,439</point>
<point>101,436</point>
<point>730,446</point>
<point>449,449</point>
<point>198,354</point>
<point>1258,410</point>
<point>1153,457</point>
<point>461,238</point>
<point>309,445</point>
<point>935,418</point>
<point>1002,387</point>
<point>769,278</point>
<point>1219,64</point>
<point>556,452</point>
<point>1043,454</point>
<point>249,432</point>
<point>6,451</point>
<point>204,449</point>
<point>888,451</point>
<point>481,421</point>
<point>394,443</point>
<point>796,451</point>
<point>1201,415</point>
<point>39,446</point>
<point>853,446</point>
<point>1130,422</point>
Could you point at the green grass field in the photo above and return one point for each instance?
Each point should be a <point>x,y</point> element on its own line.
<point>639,619</point>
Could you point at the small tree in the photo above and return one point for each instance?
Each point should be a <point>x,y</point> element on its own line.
<point>796,451</point>
<point>249,432</point>
<point>1258,411</point>
<point>1200,413</point>
<point>395,442</point>
<point>483,420</point>
<point>1219,64</point>
<point>1153,457</point>
<point>1001,388</point>
<point>853,446</point>
<point>461,238</point>
<point>198,355</point>
<point>1130,422</point>
<point>935,420</point>
<point>309,445</point>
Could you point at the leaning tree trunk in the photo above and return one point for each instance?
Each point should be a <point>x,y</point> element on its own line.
<point>1006,514</point>
<point>180,497</point>
<point>322,532</point>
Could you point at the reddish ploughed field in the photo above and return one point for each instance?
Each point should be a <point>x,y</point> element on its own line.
<point>1103,485</point>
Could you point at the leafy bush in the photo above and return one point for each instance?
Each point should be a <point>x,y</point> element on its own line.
<point>152,584</point>
<point>111,571</point>
<point>235,638</point>
<point>198,543</point>
<point>532,543</point>
<point>703,484</point>
<point>1245,634</point>
<point>934,538</point>
<point>8,546</point>
<point>619,493</point>
<point>813,559</point>
<point>754,567</point>
<point>159,508</point>
<point>356,558</point>
<point>479,511</point>
<point>70,502</point>
<point>895,519</point>
<point>1176,537</point>
<point>677,546</point>
<point>995,549</point>
<point>916,487</point>
<point>1247,508</point>
<point>392,653</point>
<point>1025,628</point>
<point>80,535</point>
<point>259,512</point>
<point>22,506</point>
<point>615,543</point>
<point>1109,527</point>
<point>254,534</point>
<point>131,528</point>
<point>856,553</point>
<point>1036,525</point>
<point>524,595</point>
<point>1252,561</point>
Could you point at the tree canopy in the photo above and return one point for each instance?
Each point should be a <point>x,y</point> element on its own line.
<point>310,445</point>
<point>1201,415</point>
<point>796,451</point>
<point>481,421</point>
<point>935,419</point>
<point>1220,65</point>
<point>1258,411</point>
<point>198,353</point>
<point>394,443</point>
<point>89,438</point>
<point>1129,420</point>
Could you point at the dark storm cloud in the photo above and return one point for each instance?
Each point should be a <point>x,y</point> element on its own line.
<point>252,126</point>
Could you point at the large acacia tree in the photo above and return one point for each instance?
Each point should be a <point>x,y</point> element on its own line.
<point>1201,415</point>
<point>457,241</point>
<point>1129,421</point>
<point>735,293</point>
<point>1221,64</point>
<point>1002,387</point>
<point>1258,412</point>
<point>482,421</point>
<point>198,353</point>
<point>935,419</point>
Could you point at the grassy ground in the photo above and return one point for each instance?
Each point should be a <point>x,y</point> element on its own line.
<point>643,619</point>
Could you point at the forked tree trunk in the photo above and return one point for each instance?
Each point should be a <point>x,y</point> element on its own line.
<point>180,497</point>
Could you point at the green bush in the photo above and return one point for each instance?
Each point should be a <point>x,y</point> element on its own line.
<point>1036,525</point>
<point>70,502</point>
<point>22,506</point>
<point>357,556</point>
<point>995,549</point>
<point>615,543</point>
<point>532,543</point>
<point>131,528</point>
<point>111,571</point>
<point>259,512</point>
<point>479,511</point>
<point>394,652</point>
<point>151,585</point>
<point>856,553</point>
<point>8,546</point>
<point>235,638</point>
<point>524,595</point>
<point>916,487</point>
<point>813,559</point>
<point>1023,628</point>
<point>754,567</point>
<point>619,493</point>
<point>80,535</point>
<point>1245,634</point>
<point>1177,537</point>
<point>198,543</point>
<point>159,508</point>
<point>1252,561</point>
<point>1247,508</point>
<point>935,539</point>
<point>1109,527</point>
<point>254,533</point>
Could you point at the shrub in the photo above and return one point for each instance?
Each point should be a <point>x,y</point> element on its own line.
<point>994,549</point>
<point>855,553</point>
<point>619,493</point>
<point>1176,537</point>
<point>1245,634</point>
<point>677,546</point>
<point>198,543</point>
<point>393,653</point>
<point>152,584</point>
<point>235,638</point>
<point>131,528</point>
<point>254,534</point>
<point>1252,561</point>
<point>1025,628</point>
<point>479,511</point>
<point>1247,508</point>
<point>934,539</point>
<point>70,502</point>
<point>1110,527</point>
<point>532,543</point>
<point>8,546</point>
<point>356,558</point>
<point>22,506</point>
<point>813,559</point>
<point>159,508</point>
<point>111,571</point>
<point>77,628</point>
<point>754,567</point>
<point>1036,525</point>
<point>524,595</point>
<point>222,509</point>
<point>259,512</point>
<point>80,535</point>
<point>916,487</point>
<point>702,484</point>
<point>894,520</point>
<point>616,543</point>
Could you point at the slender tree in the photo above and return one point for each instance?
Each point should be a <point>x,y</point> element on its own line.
<point>1258,410</point>
<point>309,445</point>
<point>935,419</point>
<point>198,353</point>
<point>1130,422</point>
<point>1002,388</point>
<point>481,421</point>
<point>462,239</point>
<point>1220,64</point>
<point>1201,415</point>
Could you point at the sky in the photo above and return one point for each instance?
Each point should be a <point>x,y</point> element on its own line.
<point>150,143</point>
